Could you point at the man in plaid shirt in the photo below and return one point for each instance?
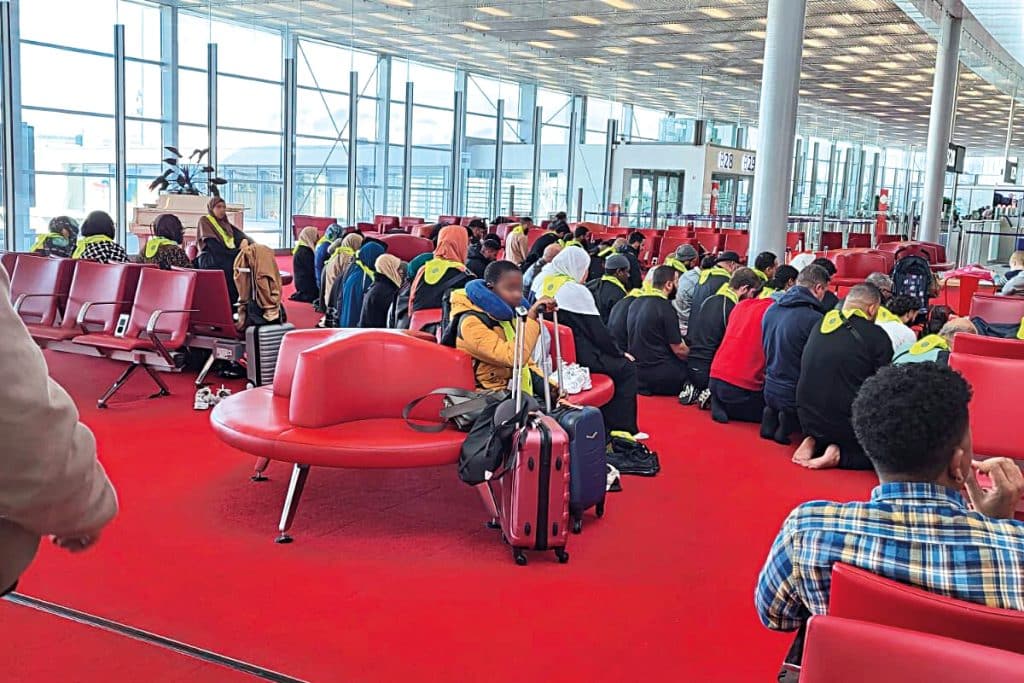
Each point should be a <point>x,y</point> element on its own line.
<point>912,421</point>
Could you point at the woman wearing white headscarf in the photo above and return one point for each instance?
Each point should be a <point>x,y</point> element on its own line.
<point>595,347</point>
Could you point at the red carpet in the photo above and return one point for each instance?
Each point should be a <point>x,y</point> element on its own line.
<point>393,576</point>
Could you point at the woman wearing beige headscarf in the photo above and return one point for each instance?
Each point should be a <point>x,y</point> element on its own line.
<point>382,293</point>
<point>303,271</point>
<point>517,246</point>
<point>343,252</point>
<point>219,242</point>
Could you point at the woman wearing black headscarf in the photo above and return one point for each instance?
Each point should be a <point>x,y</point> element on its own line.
<point>164,247</point>
<point>219,242</point>
<point>97,241</point>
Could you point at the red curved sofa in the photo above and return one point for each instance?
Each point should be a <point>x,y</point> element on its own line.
<point>337,401</point>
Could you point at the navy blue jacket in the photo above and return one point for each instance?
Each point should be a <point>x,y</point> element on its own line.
<point>786,326</point>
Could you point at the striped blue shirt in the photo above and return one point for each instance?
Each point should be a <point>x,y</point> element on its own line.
<point>916,533</point>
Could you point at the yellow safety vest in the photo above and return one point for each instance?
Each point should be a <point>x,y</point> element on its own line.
<point>367,270</point>
<point>435,269</point>
<point>716,270</point>
<point>886,316</point>
<point>525,380</point>
<point>570,243</point>
<point>654,292</point>
<point>675,263</point>
<point>154,243</point>
<point>40,242</point>
<point>1020,330</point>
<point>761,274</point>
<point>928,343</point>
<point>229,238</point>
<point>833,320</point>
<point>615,281</point>
<point>726,291</point>
<point>86,241</point>
<point>606,252</point>
<point>553,283</point>
<point>766,292</point>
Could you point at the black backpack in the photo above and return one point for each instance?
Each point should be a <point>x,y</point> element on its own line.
<point>448,328</point>
<point>912,276</point>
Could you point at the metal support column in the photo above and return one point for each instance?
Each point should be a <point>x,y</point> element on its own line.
<point>627,122</point>
<point>383,132</point>
<point>858,190</point>
<point>289,98</point>
<point>874,176</point>
<point>1009,128</point>
<point>570,164</point>
<point>844,186</point>
<point>609,159</point>
<point>353,142</point>
<point>211,101</point>
<point>947,60</point>
<point>538,120</point>
<point>120,141</point>
<point>798,177</point>
<point>14,204</point>
<point>499,146</point>
<point>833,164</point>
<point>407,151</point>
<point>812,193</point>
<point>169,75</point>
<point>458,136</point>
<point>780,85</point>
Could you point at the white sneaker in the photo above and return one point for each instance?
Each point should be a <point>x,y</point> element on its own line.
<point>203,396</point>
<point>613,479</point>
<point>704,400</point>
<point>688,394</point>
<point>641,436</point>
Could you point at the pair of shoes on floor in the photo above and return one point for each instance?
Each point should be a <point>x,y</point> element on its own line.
<point>688,396</point>
<point>614,480</point>
<point>704,399</point>
<point>206,398</point>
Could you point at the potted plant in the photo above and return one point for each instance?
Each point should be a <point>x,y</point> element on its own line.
<point>192,177</point>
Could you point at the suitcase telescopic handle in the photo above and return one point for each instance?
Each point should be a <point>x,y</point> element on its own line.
<point>558,349</point>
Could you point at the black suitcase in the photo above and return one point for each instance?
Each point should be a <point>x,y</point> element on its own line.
<point>588,455</point>
<point>262,343</point>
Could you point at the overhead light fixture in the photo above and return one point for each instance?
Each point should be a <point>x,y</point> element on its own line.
<point>827,32</point>
<point>376,31</point>
<point>813,42</point>
<point>619,4</point>
<point>734,70</point>
<point>541,44</point>
<point>561,33</point>
<point>643,73</point>
<point>694,57</point>
<point>474,25</point>
<point>677,28</point>
<point>715,12</point>
<point>644,40</point>
<point>833,67</point>
<point>665,65</point>
<point>383,16</point>
<point>398,3</point>
<point>760,35</point>
<point>724,47</point>
<point>584,19</point>
<point>595,60</point>
<point>494,11</point>
<point>617,50</point>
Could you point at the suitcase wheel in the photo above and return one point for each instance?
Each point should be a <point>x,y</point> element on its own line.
<point>494,524</point>
<point>520,557</point>
<point>577,525</point>
<point>599,510</point>
<point>562,556</point>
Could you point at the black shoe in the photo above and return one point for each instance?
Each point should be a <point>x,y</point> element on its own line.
<point>704,399</point>
<point>231,371</point>
<point>635,459</point>
<point>769,423</point>
<point>688,395</point>
<point>718,413</point>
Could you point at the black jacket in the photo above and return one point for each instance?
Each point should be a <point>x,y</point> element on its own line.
<point>475,260</point>
<point>537,250</point>
<point>711,320</point>
<point>306,288</point>
<point>617,321</point>
<point>606,295</point>
<point>377,301</point>
<point>786,326</point>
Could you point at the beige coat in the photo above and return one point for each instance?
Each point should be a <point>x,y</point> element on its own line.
<point>50,481</point>
<point>267,291</point>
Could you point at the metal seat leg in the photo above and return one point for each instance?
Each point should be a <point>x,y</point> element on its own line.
<point>118,383</point>
<point>261,466</point>
<point>164,391</point>
<point>201,379</point>
<point>291,501</point>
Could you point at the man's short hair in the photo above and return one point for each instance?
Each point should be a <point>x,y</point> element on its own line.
<point>707,262</point>
<point>829,267</point>
<point>561,227</point>
<point>812,276</point>
<point>561,216</point>
<point>880,280</point>
<point>902,304</point>
<point>783,274</point>
<point>744,277</point>
<point>864,294</point>
<point>477,223</point>
<point>636,237</point>
<point>496,270</point>
<point>765,260</point>
<point>580,232</point>
<point>910,417</point>
<point>525,219</point>
<point>662,276</point>
<point>491,243</point>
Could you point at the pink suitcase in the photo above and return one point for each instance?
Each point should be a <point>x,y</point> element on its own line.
<point>531,489</point>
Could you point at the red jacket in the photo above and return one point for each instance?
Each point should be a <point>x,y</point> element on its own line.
<point>740,359</point>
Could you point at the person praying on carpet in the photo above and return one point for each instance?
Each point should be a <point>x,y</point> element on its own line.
<point>710,282</point>
<point>399,318</point>
<point>97,242</point>
<point>382,293</point>
<point>343,253</point>
<point>841,353</point>
<point>303,268</point>
<point>322,250</point>
<point>349,292</point>
<point>653,335</point>
<point>610,288</point>
<point>445,271</point>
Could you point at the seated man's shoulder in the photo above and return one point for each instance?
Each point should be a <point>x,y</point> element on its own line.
<point>816,514</point>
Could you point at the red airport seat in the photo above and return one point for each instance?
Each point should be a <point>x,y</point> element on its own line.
<point>425,319</point>
<point>711,242</point>
<point>738,242</point>
<point>406,247</point>
<point>841,650</point>
<point>307,418</point>
<point>386,222</point>
<point>670,243</point>
<point>980,345</point>
<point>883,239</point>
<point>858,240</point>
<point>534,235</point>
<point>997,309</point>
<point>212,322</point>
<point>466,220</point>
<point>796,241</point>
<point>321,223</point>
<point>95,301</point>
<point>134,271</point>
<point>831,240</point>
<point>651,248</point>
<point>422,231</point>
<point>410,221</point>
<point>993,418</point>
<point>502,229</point>
<point>8,260</point>
<point>157,327</point>
<point>862,595</point>
<point>39,287</point>
<point>602,389</point>
<point>450,220</point>
<point>852,267</point>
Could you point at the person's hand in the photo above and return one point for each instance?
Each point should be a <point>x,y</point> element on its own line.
<point>76,544</point>
<point>545,304</point>
<point>629,357</point>
<point>999,501</point>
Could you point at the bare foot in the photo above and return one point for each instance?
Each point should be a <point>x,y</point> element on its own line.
<point>827,460</point>
<point>804,452</point>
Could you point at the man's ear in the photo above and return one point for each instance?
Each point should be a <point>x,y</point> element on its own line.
<point>959,465</point>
